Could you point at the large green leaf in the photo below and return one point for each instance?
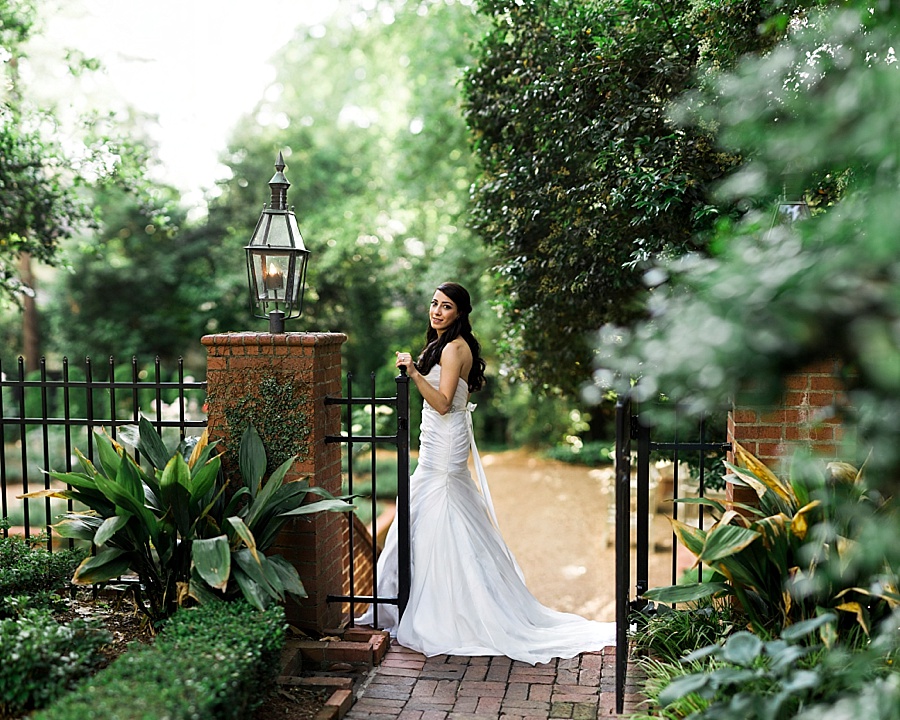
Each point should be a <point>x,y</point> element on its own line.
<point>175,472</point>
<point>742,648</point>
<point>212,560</point>
<point>290,579</point>
<point>681,686</point>
<point>104,566</point>
<point>129,479</point>
<point>204,477</point>
<point>110,459</point>
<point>152,445</point>
<point>254,566</point>
<point>264,498</point>
<point>75,479</point>
<point>800,630</point>
<point>714,504</point>
<point>332,505</point>
<point>251,590</point>
<point>200,591</point>
<point>78,526</point>
<point>726,540</point>
<point>689,536</point>
<point>110,527</point>
<point>688,592</point>
<point>252,459</point>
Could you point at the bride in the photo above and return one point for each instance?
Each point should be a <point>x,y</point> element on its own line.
<point>468,595</point>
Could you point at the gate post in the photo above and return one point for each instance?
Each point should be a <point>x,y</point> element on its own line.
<point>280,382</point>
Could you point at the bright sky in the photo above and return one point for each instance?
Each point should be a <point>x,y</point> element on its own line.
<point>198,65</point>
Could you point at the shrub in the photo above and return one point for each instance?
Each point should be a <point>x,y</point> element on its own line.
<point>175,526</point>
<point>213,661</point>
<point>591,453</point>
<point>787,561</point>
<point>26,568</point>
<point>40,658</point>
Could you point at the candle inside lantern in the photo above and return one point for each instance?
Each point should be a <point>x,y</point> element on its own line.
<point>273,279</point>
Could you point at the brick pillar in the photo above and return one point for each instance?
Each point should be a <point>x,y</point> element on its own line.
<point>805,418</point>
<point>258,375</point>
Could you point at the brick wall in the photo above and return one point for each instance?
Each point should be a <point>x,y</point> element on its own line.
<point>311,362</point>
<point>805,418</point>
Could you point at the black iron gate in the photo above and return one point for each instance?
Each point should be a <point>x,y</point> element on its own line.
<point>400,440</point>
<point>635,446</point>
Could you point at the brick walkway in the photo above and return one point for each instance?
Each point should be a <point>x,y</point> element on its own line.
<point>409,686</point>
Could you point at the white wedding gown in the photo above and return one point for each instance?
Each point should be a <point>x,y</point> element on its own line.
<point>468,595</point>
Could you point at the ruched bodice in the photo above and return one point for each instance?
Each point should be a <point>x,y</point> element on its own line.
<point>444,440</point>
<point>468,595</point>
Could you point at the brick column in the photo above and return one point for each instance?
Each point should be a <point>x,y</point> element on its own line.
<point>806,418</point>
<point>252,373</point>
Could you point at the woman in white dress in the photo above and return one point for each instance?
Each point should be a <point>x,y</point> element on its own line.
<point>468,595</point>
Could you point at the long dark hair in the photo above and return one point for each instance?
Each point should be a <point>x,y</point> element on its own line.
<point>461,327</point>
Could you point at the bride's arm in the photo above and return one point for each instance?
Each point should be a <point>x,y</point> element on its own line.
<point>441,398</point>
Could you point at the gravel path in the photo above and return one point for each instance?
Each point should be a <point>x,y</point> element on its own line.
<point>553,516</point>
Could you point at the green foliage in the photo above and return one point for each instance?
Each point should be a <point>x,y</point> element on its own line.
<point>771,679</point>
<point>584,175</point>
<point>26,569</point>
<point>367,112</point>
<point>667,634</point>
<point>278,413</point>
<point>40,659</point>
<point>776,296</point>
<point>213,661</point>
<point>174,526</point>
<point>589,453</point>
<point>141,286</point>
<point>772,560</point>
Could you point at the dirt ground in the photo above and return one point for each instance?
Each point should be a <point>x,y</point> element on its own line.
<point>553,516</point>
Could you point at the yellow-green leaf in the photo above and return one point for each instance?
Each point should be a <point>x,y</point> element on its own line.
<point>105,565</point>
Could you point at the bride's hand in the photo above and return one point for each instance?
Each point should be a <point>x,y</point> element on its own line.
<point>404,360</point>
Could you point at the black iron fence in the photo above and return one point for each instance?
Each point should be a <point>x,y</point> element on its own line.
<point>45,415</point>
<point>635,451</point>
<point>361,413</point>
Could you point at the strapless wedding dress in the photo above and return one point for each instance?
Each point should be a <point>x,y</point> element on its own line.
<point>468,595</point>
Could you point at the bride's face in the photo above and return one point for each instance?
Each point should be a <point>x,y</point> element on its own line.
<point>442,313</point>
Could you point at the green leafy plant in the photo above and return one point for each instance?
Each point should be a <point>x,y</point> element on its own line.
<point>26,569</point>
<point>757,679</point>
<point>668,634</point>
<point>40,659</point>
<point>174,526</point>
<point>770,560</point>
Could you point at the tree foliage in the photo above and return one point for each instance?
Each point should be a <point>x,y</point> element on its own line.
<point>776,296</point>
<point>367,112</point>
<point>39,201</point>
<point>584,175</point>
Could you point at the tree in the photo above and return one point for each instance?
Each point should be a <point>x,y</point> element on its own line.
<point>39,202</point>
<point>584,175</point>
<point>773,299</point>
<point>367,113</point>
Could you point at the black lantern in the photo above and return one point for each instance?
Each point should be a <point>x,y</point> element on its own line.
<point>277,258</point>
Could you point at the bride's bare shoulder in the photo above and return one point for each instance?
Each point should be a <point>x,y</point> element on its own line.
<point>457,348</point>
